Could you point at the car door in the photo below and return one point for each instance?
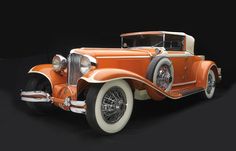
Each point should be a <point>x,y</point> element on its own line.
<point>174,45</point>
<point>190,74</point>
<point>179,60</point>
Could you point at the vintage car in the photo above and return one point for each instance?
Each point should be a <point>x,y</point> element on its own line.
<point>103,83</point>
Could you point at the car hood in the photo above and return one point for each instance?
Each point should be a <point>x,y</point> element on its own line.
<point>103,52</point>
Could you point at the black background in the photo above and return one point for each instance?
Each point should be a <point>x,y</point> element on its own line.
<point>32,32</point>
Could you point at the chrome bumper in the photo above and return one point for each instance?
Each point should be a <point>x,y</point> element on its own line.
<point>35,96</point>
<point>75,106</point>
<point>219,73</point>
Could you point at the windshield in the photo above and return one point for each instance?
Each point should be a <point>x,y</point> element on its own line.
<point>168,41</point>
<point>142,41</point>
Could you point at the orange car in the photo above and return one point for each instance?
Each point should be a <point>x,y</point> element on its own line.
<point>103,82</point>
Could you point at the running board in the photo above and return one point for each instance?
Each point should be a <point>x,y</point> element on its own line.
<point>191,91</point>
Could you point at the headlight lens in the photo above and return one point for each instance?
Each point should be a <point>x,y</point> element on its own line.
<point>59,63</point>
<point>85,65</point>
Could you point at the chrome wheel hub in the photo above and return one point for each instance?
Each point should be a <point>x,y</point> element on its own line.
<point>164,77</point>
<point>210,84</point>
<point>113,105</point>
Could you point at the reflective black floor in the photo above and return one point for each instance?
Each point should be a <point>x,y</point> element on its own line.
<point>186,124</point>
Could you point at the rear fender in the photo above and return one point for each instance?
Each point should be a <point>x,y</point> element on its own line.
<point>202,72</point>
<point>46,71</point>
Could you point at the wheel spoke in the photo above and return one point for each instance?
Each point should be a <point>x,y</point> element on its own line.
<point>114,106</point>
<point>163,77</point>
<point>210,84</point>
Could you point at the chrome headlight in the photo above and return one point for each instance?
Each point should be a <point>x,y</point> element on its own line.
<point>85,64</point>
<point>59,63</point>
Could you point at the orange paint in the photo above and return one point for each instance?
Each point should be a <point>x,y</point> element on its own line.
<point>190,71</point>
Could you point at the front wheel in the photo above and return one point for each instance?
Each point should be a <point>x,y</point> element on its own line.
<point>109,106</point>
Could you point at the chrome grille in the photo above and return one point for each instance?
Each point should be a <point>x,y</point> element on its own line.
<point>73,69</point>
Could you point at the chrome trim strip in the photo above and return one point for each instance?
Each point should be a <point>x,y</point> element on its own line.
<point>123,57</point>
<point>91,59</point>
<point>166,54</point>
<point>153,33</point>
<point>184,83</point>
<point>178,55</point>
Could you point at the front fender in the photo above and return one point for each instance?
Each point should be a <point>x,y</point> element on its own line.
<point>110,74</point>
<point>47,71</point>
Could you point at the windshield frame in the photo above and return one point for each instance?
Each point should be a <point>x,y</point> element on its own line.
<point>162,34</point>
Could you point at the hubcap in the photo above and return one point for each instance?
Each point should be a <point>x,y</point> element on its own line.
<point>163,77</point>
<point>113,105</point>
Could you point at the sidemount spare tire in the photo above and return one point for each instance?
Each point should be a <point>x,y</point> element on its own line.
<point>161,72</point>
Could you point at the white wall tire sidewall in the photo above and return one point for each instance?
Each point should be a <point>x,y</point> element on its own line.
<point>159,64</point>
<point>211,94</point>
<point>119,125</point>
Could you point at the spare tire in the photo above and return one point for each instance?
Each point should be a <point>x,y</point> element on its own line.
<point>161,73</point>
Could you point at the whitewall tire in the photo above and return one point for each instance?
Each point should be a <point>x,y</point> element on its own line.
<point>109,106</point>
<point>209,91</point>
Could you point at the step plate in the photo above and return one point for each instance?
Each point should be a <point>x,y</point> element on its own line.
<point>191,91</point>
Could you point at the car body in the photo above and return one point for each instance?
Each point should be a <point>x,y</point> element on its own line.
<point>149,65</point>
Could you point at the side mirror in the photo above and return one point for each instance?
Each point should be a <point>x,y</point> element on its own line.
<point>125,45</point>
<point>160,49</point>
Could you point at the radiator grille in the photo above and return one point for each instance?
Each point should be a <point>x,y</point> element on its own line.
<point>73,69</point>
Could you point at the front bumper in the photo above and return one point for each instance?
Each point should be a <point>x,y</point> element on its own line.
<point>75,106</point>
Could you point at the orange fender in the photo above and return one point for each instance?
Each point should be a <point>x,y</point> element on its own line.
<point>110,74</point>
<point>47,71</point>
<point>202,72</point>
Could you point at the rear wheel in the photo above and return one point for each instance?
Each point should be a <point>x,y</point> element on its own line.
<point>109,106</point>
<point>39,83</point>
<point>209,91</point>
